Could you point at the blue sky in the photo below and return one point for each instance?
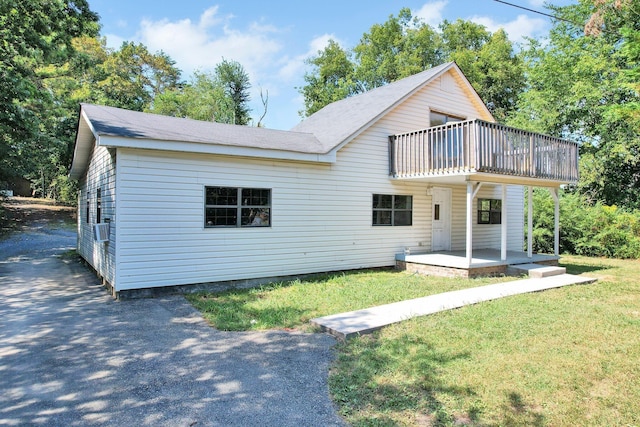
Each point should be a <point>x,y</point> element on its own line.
<point>272,38</point>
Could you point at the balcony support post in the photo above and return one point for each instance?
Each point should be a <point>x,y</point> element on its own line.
<point>530,221</point>
<point>504,228</point>
<point>556,222</point>
<point>469,248</point>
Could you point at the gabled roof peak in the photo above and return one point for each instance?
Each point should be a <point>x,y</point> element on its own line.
<point>341,121</point>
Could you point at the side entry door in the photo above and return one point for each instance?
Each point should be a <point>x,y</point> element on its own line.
<point>441,219</point>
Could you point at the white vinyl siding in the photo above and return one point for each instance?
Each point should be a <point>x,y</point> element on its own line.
<point>100,176</point>
<point>321,213</point>
<point>489,235</point>
<point>321,221</point>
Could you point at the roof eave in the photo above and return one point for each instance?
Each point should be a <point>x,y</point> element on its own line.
<point>85,138</point>
<point>216,149</point>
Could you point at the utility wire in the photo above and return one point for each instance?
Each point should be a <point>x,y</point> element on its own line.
<point>550,15</point>
<point>538,12</point>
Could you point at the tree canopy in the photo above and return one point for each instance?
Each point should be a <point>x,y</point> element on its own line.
<point>580,82</point>
<point>582,85</point>
<point>34,35</point>
<point>52,59</point>
<point>405,45</point>
<point>221,96</point>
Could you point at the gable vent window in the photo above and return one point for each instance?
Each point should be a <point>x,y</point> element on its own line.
<point>392,210</point>
<point>237,207</point>
<point>437,119</point>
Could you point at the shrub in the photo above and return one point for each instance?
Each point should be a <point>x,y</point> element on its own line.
<point>585,229</point>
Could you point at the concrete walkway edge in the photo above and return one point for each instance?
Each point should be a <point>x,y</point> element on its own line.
<point>354,323</point>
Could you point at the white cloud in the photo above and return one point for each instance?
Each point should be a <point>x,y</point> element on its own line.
<point>114,41</point>
<point>517,29</point>
<point>203,44</point>
<point>294,67</point>
<point>431,12</point>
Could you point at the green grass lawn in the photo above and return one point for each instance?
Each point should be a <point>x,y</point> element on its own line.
<point>293,304</point>
<point>562,357</point>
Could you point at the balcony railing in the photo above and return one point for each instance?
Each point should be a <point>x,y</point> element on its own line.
<point>476,146</point>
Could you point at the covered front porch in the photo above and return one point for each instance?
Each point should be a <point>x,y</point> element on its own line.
<point>476,153</point>
<point>484,262</point>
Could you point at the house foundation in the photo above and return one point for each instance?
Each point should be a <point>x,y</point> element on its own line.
<point>485,263</point>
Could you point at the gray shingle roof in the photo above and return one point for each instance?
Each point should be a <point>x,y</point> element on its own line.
<point>111,121</point>
<point>320,133</point>
<point>342,120</point>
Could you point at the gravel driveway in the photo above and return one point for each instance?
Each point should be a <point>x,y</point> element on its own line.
<point>71,355</point>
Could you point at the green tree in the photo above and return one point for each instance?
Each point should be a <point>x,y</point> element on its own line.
<point>331,79</point>
<point>132,76</point>
<point>405,45</point>
<point>488,61</point>
<point>221,96</point>
<point>577,89</point>
<point>234,80</point>
<point>128,77</point>
<point>34,35</point>
<point>203,98</point>
<point>398,48</point>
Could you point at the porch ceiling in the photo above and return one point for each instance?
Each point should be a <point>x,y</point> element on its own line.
<point>463,178</point>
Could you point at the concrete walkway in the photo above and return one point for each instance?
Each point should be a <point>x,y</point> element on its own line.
<point>354,323</point>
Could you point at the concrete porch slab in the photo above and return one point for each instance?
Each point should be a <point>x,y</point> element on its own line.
<point>481,258</point>
<point>354,323</point>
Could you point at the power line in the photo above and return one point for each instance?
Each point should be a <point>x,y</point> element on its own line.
<point>539,13</point>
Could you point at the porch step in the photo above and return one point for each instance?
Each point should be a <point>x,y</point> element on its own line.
<point>535,270</point>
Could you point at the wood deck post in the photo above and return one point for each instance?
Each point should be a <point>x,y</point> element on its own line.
<point>503,220</point>
<point>556,225</point>
<point>530,222</point>
<point>469,250</point>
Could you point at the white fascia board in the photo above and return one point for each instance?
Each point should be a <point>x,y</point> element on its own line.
<point>83,146</point>
<point>227,150</point>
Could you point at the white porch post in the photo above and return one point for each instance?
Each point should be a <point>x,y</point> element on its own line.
<point>556,225</point>
<point>503,214</point>
<point>530,222</point>
<point>469,249</point>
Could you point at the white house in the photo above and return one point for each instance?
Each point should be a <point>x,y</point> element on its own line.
<point>415,173</point>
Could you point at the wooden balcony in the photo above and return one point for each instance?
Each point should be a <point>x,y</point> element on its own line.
<point>477,147</point>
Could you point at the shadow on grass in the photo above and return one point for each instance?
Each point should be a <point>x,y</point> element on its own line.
<point>381,382</point>
<point>573,268</point>
<point>230,311</point>
<point>517,412</point>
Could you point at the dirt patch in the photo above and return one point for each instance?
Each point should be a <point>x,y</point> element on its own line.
<point>26,212</point>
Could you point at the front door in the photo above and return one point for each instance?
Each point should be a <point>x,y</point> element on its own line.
<point>441,219</point>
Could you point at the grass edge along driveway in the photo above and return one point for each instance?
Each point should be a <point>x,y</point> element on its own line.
<point>562,357</point>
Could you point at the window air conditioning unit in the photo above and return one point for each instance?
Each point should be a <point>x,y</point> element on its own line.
<point>101,232</point>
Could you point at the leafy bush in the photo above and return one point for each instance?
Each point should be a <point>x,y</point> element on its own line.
<point>585,229</point>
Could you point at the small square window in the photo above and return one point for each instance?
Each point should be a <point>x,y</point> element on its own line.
<point>489,211</point>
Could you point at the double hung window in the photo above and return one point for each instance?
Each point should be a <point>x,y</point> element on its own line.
<point>392,209</point>
<point>237,207</point>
